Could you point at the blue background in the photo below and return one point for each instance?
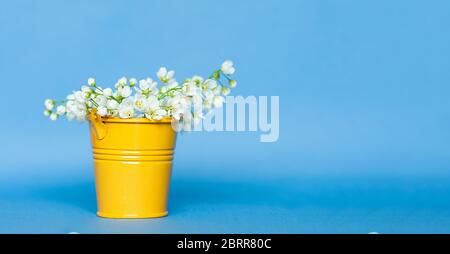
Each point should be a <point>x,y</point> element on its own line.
<point>364,113</point>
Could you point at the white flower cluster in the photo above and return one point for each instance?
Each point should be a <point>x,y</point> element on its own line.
<point>186,102</point>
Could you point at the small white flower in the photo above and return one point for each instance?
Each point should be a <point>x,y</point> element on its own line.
<point>164,75</point>
<point>53,116</point>
<point>128,101</point>
<point>102,111</point>
<point>81,115</point>
<point>227,67</point>
<point>49,104</point>
<point>153,102</point>
<point>91,81</point>
<point>197,80</point>
<point>170,74</point>
<point>112,104</point>
<point>218,101</point>
<point>122,81</point>
<point>141,103</point>
<point>178,105</point>
<point>60,110</point>
<point>154,111</point>
<point>70,105</point>
<point>126,111</point>
<point>209,84</point>
<point>125,91</point>
<point>148,85</point>
<point>79,97</point>
<point>47,112</point>
<point>156,114</point>
<point>233,83</point>
<point>107,92</point>
<point>190,89</point>
<point>143,84</point>
<point>101,100</point>
<point>162,72</point>
<point>76,110</point>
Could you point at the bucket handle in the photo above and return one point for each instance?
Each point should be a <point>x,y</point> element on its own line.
<point>98,125</point>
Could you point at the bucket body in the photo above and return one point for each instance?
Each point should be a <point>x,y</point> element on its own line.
<point>133,164</point>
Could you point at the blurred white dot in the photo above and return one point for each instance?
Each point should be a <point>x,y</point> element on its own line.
<point>73,233</point>
<point>373,233</point>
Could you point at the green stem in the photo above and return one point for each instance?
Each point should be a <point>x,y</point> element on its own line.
<point>95,103</point>
<point>112,97</point>
<point>167,92</point>
<point>95,86</point>
<point>109,97</point>
<point>226,76</point>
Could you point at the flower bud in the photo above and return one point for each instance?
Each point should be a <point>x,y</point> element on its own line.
<point>232,83</point>
<point>49,104</point>
<point>91,81</point>
<point>133,81</point>
<point>216,75</point>
<point>225,91</point>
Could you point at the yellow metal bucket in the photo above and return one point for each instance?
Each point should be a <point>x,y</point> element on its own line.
<point>133,164</point>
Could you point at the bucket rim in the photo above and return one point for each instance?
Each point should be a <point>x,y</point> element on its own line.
<point>136,120</point>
